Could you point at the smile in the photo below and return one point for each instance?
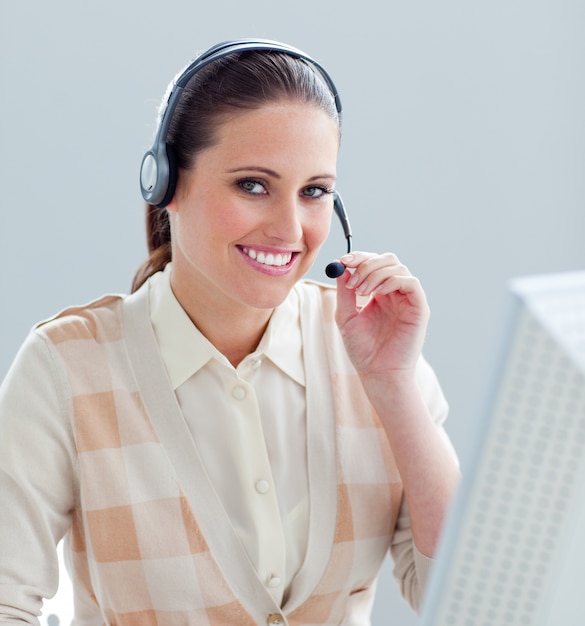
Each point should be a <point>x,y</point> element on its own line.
<point>267,258</point>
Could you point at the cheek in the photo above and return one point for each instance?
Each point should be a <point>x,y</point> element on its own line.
<point>319,231</point>
<point>208,225</point>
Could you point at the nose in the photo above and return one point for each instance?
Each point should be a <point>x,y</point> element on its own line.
<point>285,223</point>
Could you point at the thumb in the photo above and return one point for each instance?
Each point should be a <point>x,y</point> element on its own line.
<point>346,300</point>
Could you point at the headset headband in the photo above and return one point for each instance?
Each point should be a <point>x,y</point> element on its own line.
<point>158,173</point>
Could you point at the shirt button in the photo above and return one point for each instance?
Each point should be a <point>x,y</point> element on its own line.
<point>256,363</point>
<point>239,393</point>
<point>262,486</point>
<point>274,581</point>
<point>275,619</point>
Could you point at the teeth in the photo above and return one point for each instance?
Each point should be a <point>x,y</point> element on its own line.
<point>269,258</point>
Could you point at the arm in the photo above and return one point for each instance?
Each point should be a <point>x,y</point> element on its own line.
<point>36,482</point>
<point>384,340</point>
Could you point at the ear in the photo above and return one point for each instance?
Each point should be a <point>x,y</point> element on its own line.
<point>173,205</point>
<point>178,184</point>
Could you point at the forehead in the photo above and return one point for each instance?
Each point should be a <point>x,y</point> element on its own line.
<point>296,142</point>
<point>278,122</point>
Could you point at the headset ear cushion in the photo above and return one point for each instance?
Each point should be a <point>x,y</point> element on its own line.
<point>173,174</point>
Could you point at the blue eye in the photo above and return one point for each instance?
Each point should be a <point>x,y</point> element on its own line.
<point>316,192</point>
<point>251,186</point>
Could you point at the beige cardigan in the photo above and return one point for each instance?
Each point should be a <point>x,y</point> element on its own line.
<point>148,539</point>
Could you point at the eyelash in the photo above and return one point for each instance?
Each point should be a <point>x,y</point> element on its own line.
<point>240,183</point>
<point>326,190</point>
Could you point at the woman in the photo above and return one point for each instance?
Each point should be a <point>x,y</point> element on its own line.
<point>229,444</point>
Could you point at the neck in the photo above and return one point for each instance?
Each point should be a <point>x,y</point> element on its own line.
<point>234,330</point>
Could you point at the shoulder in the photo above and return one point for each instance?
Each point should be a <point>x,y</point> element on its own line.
<point>316,286</point>
<point>316,290</point>
<point>99,319</point>
<point>325,295</point>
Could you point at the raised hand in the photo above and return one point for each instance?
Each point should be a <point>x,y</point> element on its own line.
<point>382,313</point>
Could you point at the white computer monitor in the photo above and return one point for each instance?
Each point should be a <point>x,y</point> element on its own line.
<point>512,552</point>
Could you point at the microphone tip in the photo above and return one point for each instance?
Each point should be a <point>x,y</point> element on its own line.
<point>335,269</point>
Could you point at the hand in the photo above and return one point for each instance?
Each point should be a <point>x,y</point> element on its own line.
<point>385,335</point>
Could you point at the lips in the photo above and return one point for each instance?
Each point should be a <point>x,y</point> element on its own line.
<point>268,258</point>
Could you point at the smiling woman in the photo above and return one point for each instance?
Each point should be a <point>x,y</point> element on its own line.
<point>232,224</point>
<point>228,79</point>
<point>229,444</point>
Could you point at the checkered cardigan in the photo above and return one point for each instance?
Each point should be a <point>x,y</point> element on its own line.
<point>150,542</point>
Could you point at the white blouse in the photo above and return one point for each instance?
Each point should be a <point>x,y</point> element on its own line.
<point>249,427</point>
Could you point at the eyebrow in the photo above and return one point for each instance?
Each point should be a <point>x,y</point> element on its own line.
<point>269,172</point>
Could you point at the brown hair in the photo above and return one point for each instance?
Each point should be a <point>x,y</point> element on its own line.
<point>243,80</point>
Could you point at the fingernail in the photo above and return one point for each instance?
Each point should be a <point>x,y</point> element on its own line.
<point>346,258</point>
<point>353,281</point>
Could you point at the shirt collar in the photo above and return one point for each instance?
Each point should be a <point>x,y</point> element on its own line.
<point>282,342</point>
<point>185,350</point>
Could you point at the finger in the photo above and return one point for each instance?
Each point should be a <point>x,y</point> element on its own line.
<point>407,286</point>
<point>372,270</point>
<point>357,258</point>
<point>346,300</point>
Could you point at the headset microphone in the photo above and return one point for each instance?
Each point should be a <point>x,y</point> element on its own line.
<point>336,269</point>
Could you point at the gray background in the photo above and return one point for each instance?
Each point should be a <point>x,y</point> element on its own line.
<point>463,152</point>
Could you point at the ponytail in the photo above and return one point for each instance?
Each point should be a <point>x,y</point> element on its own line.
<point>158,236</point>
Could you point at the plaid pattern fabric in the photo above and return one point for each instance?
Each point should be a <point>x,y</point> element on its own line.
<point>369,492</point>
<point>138,554</point>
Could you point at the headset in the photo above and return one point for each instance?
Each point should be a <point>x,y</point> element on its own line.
<point>158,171</point>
